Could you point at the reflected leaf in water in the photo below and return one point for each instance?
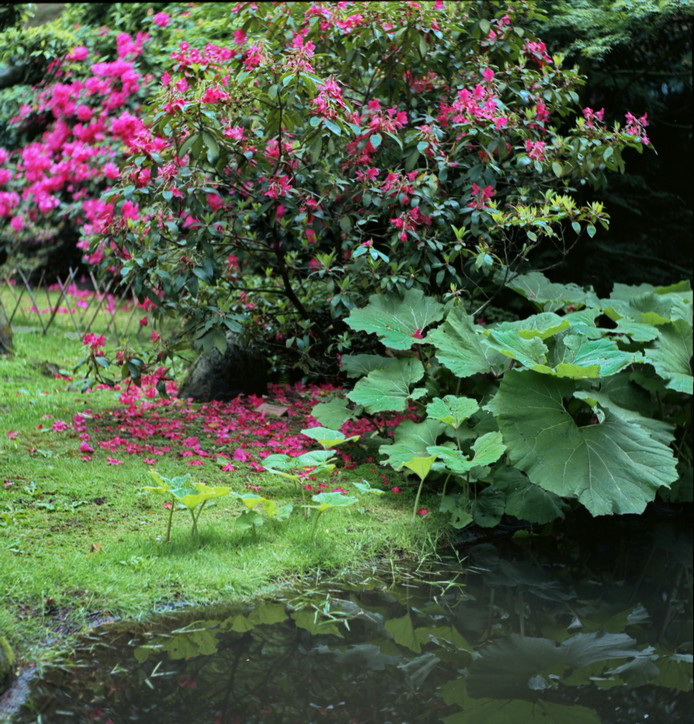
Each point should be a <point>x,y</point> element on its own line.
<point>514,634</point>
<point>505,667</point>
<point>198,638</point>
<point>402,631</point>
<point>515,711</point>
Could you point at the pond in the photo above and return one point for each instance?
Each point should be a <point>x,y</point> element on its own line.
<point>594,626</point>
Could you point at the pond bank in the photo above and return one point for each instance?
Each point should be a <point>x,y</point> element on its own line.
<point>611,603</point>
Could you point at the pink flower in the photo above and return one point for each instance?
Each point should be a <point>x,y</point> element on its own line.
<point>240,455</point>
<point>422,512</point>
<point>130,211</point>
<point>161,19</point>
<point>168,506</point>
<point>480,196</point>
<point>78,54</point>
<point>12,435</point>
<point>214,95</point>
<point>535,150</point>
<point>94,342</point>
<point>228,468</point>
<point>418,334</point>
<point>17,223</point>
<point>114,461</point>
<point>60,426</point>
<point>395,490</point>
<point>149,461</point>
<point>86,448</point>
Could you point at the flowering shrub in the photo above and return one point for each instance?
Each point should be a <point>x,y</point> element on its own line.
<point>333,149</point>
<point>53,183</point>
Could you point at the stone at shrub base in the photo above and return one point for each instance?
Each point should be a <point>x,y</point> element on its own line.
<point>221,377</point>
<point>7,664</point>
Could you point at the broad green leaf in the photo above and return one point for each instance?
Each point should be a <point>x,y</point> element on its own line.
<point>309,619</point>
<point>326,501</point>
<point>256,502</point>
<point>389,388</point>
<point>395,319</point>
<point>576,357</point>
<point>452,410</point>
<point>449,634</point>
<point>488,507</point>
<point>648,306</point>
<point>197,639</point>
<point>675,672</point>
<point>513,711</point>
<point>165,484</point>
<point>583,322</point>
<point>267,614</point>
<point>529,352</point>
<point>290,467</point>
<point>637,331</point>
<point>487,450</point>
<point>286,462</point>
<point>402,631</point>
<point>548,297</point>
<point>365,488</point>
<point>457,506</point>
<point>332,414</point>
<point>458,346</point>
<point>412,439</point>
<point>527,501</point>
<point>614,466</point>
<point>201,493</point>
<point>328,438</point>
<point>659,430</point>
<point>543,325</point>
<point>504,667</point>
<point>420,466</point>
<point>358,365</point>
<point>671,356</point>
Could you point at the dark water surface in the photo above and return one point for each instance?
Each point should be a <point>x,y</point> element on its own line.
<point>524,630</point>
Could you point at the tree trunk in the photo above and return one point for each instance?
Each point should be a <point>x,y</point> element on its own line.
<point>5,332</point>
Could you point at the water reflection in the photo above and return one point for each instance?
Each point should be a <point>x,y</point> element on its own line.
<point>529,630</point>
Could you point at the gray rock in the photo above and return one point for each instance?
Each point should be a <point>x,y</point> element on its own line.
<point>215,376</point>
<point>5,333</point>
<point>7,664</point>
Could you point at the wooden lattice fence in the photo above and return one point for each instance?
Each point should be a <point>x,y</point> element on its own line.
<point>89,310</point>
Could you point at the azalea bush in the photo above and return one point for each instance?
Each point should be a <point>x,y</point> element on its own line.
<point>585,400</point>
<point>329,151</point>
<point>67,127</point>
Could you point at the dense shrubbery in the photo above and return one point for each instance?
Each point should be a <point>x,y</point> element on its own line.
<point>292,160</point>
<point>583,400</point>
<point>334,150</point>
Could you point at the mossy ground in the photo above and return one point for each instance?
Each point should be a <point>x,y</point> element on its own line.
<point>81,541</point>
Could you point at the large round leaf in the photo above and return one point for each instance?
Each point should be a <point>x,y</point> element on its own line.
<point>452,410</point>
<point>412,440</point>
<point>547,295</point>
<point>614,466</point>
<point>671,356</point>
<point>458,346</point>
<point>395,319</point>
<point>388,388</point>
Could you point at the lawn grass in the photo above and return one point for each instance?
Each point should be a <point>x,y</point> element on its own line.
<point>80,540</point>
